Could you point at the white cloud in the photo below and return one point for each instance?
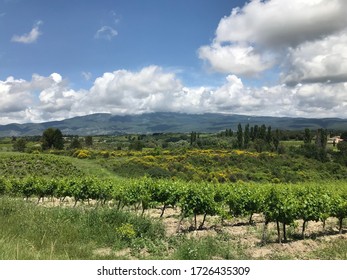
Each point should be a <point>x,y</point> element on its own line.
<point>240,60</point>
<point>41,99</point>
<point>259,35</point>
<point>319,61</point>
<point>11,92</point>
<point>30,37</point>
<point>124,92</point>
<point>153,89</point>
<point>282,22</point>
<point>106,32</point>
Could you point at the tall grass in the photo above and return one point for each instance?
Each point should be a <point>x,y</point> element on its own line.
<point>331,250</point>
<point>28,231</point>
<point>209,247</point>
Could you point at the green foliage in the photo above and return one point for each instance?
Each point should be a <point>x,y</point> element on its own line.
<point>244,200</point>
<point>20,145</point>
<point>3,186</point>
<point>197,199</point>
<point>239,136</point>
<point>206,249</point>
<point>42,165</point>
<point>313,151</point>
<point>225,165</point>
<point>126,232</point>
<point>89,141</point>
<point>52,138</point>
<point>136,145</point>
<point>31,232</point>
<point>307,136</point>
<point>342,146</point>
<point>321,138</point>
<point>279,203</point>
<point>75,143</point>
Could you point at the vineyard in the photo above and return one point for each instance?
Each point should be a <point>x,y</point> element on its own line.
<point>281,204</point>
<point>184,204</point>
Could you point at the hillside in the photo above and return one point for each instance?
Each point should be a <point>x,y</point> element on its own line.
<point>107,124</point>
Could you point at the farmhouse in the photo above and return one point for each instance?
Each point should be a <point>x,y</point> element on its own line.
<point>335,139</point>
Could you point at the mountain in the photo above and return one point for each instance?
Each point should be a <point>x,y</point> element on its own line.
<point>107,124</point>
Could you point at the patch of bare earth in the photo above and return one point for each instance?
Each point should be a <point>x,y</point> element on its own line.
<point>240,231</point>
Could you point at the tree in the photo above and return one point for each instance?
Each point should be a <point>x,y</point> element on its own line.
<point>75,143</point>
<point>239,136</point>
<point>255,133</point>
<point>307,136</point>
<point>321,138</point>
<point>193,137</point>
<point>262,132</point>
<point>344,135</point>
<point>136,145</point>
<point>268,136</point>
<point>276,139</point>
<point>19,145</point>
<point>247,136</point>
<point>89,141</point>
<point>259,145</point>
<point>251,133</point>
<point>342,146</point>
<point>229,133</point>
<point>52,138</point>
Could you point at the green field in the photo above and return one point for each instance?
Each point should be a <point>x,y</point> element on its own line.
<point>165,197</point>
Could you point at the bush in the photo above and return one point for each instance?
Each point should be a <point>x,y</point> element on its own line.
<point>126,232</point>
<point>3,185</point>
<point>81,154</point>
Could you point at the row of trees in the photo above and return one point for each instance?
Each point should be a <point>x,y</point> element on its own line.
<point>52,138</point>
<point>257,137</point>
<point>261,134</point>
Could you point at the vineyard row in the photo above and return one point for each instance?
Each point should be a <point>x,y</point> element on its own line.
<point>278,203</point>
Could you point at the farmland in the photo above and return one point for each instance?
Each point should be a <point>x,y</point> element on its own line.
<point>169,196</point>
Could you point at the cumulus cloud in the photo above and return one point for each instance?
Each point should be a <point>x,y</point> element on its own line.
<point>153,89</point>
<point>320,61</point>
<point>30,37</point>
<point>41,99</point>
<point>11,91</point>
<point>281,33</point>
<point>240,60</point>
<point>123,91</point>
<point>106,32</point>
<point>279,23</point>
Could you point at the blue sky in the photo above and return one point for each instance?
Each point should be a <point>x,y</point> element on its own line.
<point>166,33</point>
<point>60,59</point>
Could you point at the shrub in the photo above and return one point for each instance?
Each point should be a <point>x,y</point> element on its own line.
<point>126,232</point>
<point>81,154</point>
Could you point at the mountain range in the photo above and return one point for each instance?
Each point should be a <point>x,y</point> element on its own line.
<point>108,124</point>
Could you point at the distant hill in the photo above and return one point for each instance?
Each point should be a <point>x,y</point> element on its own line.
<point>107,124</point>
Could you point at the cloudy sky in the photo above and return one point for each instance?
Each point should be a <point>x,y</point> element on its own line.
<point>60,59</point>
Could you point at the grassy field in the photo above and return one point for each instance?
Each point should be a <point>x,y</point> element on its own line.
<point>29,231</point>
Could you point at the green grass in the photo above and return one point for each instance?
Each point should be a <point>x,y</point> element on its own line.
<point>48,165</point>
<point>35,232</point>
<point>28,231</point>
<point>291,143</point>
<point>91,167</point>
<point>208,248</point>
<point>332,250</point>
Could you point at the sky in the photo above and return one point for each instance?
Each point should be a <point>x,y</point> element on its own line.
<point>66,58</point>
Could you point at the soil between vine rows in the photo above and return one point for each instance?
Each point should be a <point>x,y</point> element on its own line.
<point>239,231</point>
